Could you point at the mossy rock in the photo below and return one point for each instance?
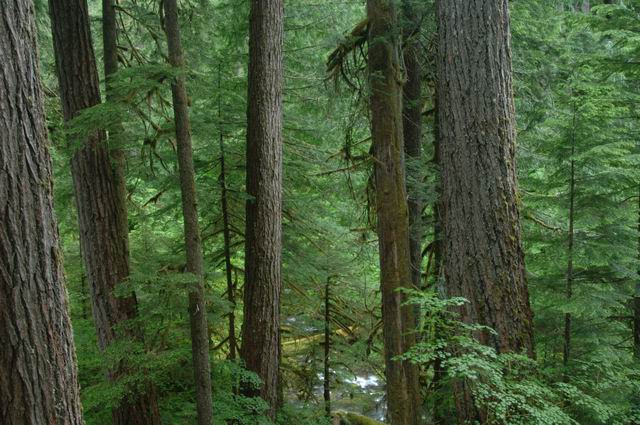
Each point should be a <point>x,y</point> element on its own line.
<point>348,418</point>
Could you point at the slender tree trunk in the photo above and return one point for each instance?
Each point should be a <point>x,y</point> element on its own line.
<point>260,349</point>
<point>385,79</point>
<point>99,202</point>
<point>226,231</point>
<point>38,376</point>
<point>437,208</point>
<point>439,371</point>
<point>412,132</point>
<point>583,6</point>
<point>193,243</point>
<point>327,347</point>
<point>110,47</point>
<point>569,286</point>
<point>484,260</point>
<point>143,409</point>
<point>636,299</point>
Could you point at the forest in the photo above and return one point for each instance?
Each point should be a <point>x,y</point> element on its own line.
<point>319,212</point>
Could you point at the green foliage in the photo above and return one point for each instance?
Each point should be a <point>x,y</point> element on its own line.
<point>575,82</point>
<point>511,388</point>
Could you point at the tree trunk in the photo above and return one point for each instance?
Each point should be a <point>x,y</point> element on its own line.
<point>145,410</point>
<point>226,232</point>
<point>193,243</point>
<point>569,285</point>
<point>327,347</point>
<point>439,372</point>
<point>110,47</point>
<point>385,79</point>
<point>412,131</point>
<point>484,260</point>
<point>101,213</point>
<point>263,251</point>
<point>38,376</point>
<point>636,299</point>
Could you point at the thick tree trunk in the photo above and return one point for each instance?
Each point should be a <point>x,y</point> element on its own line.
<point>263,251</point>
<point>38,376</point>
<point>101,213</point>
<point>385,79</point>
<point>193,243</point>
<point>484,260</point>
<point>412,131</point>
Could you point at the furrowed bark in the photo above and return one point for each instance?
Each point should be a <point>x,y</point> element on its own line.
<point>193,243</point>
<point>484,259</point>
<point>260,349</point>
<point>38,375</point>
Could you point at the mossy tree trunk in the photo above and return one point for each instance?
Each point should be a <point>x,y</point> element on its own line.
<point>385,82</point>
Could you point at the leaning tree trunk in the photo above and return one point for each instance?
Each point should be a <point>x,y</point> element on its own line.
<point>193,243</point>
<point>263,250</point>
<point>38,376</point>
<point>484,260</point>
<point>103,232</point>
<point>385,79</point>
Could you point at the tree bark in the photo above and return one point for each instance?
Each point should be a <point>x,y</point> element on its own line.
<point>570,241</point>
<point>327,347</point>
<point>110,47</point>
<point>226,232</point>
<point>385,80</point>
<point>193,243</point>
<point>101,213</point>
<point>260,349</point>
<point>484,260</point>
<point>38,375</point>
<point>412,132</point>
<point>144,410</point>
<point>439,372</point>
<point>636,297</point>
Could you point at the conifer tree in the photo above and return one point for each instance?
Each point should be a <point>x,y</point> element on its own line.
<point>193,242</point>
<point>484,259</point>
<point>385,85</point>
<point>260,348</point>
<point>98,196</point>
<point>38,375</point>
